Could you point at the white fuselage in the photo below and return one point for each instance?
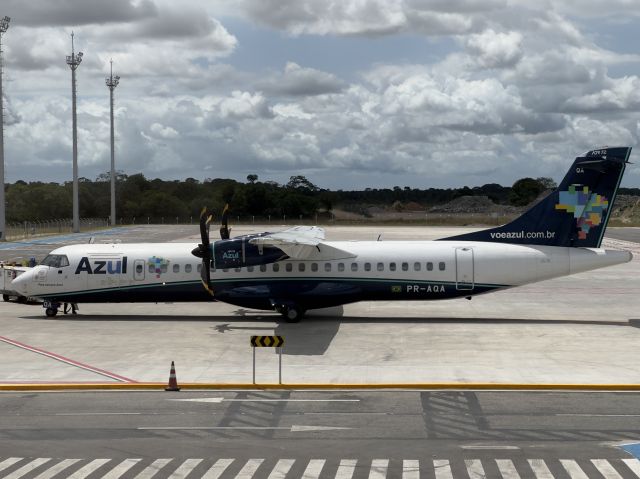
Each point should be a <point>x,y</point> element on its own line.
<point>377,270</point>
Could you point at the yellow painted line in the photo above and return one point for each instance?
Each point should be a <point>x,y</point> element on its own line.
<point>307,386</point>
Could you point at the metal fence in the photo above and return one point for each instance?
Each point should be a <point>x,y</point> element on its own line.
<point>30,229</point>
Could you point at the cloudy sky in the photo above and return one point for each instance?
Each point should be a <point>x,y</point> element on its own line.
<point>350,93</point>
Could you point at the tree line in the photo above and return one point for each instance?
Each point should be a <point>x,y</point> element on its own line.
<point>140,197</point>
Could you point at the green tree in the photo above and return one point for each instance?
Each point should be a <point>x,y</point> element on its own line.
<point>524,191</point>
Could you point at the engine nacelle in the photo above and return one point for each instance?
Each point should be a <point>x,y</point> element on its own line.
<point>239,253</point>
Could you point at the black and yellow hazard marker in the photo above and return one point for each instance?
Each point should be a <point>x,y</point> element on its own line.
<point>267,341</point>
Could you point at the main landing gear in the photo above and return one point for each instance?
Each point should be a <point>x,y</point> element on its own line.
<point>292,313</point>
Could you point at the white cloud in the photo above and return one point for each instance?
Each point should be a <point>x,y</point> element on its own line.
<point>496,49</point>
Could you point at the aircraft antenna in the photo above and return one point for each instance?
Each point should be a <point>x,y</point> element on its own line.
<point>4,26</point>
<point>112,83</point>
<point>74,61</point>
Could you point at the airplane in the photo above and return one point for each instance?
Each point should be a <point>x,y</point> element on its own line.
<point>296,270</point>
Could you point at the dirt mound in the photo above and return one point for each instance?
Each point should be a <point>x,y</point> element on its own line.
<point>473,204</point>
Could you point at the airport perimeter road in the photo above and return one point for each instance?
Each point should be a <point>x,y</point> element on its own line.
<point>339,434</point>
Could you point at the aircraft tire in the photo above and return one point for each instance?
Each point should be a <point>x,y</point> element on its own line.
<point>51,312</point>
<point>293,314</point>
<point>22,299</point>
<point>6,297</point>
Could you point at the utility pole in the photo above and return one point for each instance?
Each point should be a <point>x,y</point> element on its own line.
<point>74,61</point>
<point>4,25</point>
<point>112,83</point>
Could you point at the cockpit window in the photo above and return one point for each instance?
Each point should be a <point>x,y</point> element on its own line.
<point>55,261</point>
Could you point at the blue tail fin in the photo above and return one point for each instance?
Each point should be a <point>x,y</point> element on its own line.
<point>575,214</point>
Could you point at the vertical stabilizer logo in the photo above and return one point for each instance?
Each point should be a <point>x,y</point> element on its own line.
<point>587,207</point>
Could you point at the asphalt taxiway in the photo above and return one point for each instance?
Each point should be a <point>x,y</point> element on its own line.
<point>338,434</point>
<point>581,329</point>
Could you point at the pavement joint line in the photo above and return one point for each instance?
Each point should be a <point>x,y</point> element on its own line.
<point>68,361</point>
<point>320,387</point>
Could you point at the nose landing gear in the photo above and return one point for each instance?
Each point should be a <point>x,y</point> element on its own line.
<point>51,308</point>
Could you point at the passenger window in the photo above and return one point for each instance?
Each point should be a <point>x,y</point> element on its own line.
<point>164,268</point>
<point>314,267</point>
<point>405,266</point>
<point>199,268</point>
<point>429,266</point>
<point>139,268</point>
<point>176,268</point>
<point>340,267</point>
<point>276,267</point>
<point>416,266</point>
<point>327,267</point>
<point>152,268</point>
<point>288,267</point>
<point>250,269</point>
<point>441,266</point>
<point>187,268</point>
<point>367,266</point>
<point>380,266</point>
<point>354,266</point>
<point>237,270</point>
<point>301,267</point>
<point>263,268</point>
<point>392,266</point>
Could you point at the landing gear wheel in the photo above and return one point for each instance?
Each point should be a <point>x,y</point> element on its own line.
<point>6,297</point>
<point>293,314</point>
<point>51,312</point>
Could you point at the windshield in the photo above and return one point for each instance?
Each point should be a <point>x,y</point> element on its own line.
<point>55,260</point>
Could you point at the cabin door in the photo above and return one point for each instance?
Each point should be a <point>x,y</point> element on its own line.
<point>464,269</point>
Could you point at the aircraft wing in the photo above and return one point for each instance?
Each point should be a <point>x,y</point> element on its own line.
<point>302,242</point>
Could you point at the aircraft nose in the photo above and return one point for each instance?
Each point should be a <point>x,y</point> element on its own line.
<point>21,282</point>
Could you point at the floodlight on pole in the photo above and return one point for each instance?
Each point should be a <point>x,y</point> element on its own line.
<point>4,26</point>
<point>112,83</point>
<point>74,61</point>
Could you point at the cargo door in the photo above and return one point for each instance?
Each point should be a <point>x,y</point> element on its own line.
<point>464,269</point>
<point>139,267</point>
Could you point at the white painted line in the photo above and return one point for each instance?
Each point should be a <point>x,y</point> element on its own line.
<point>217,469</point>
<point>598,415</point>
<point>346,468</point>
<point>606,469</point>
<point>98,414</point>
<point>218,400</point>
<point>152,469</point>
<point>573,469</point>
<point>507,469</point>
<point>56,469</point>
<point>27,468</point>
<point>379,469</point>
<point>281,469</point>
<point>249,469</point>
<point>475,469</point>
<point>87,469</point>
<point>185,469</point>
<point>491,448</point>
<point>294,428</point>
<point>540,469</point>
<point>9,462</point>
<point>410,469</point>
<point>442,469</point>
<point>634,465</point>
<point>121,468</point>
<point>314,468</point>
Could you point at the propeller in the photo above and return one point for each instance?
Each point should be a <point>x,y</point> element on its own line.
<point>224,228</point>
<point>203,250</point>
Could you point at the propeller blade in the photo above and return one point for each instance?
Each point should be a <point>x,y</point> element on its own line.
<point>205,276</point>
<point>203,250</point>
<point>224,229</point>
<point>204,231</point>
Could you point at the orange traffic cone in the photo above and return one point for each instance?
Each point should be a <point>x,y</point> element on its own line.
<point>173,381</point>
